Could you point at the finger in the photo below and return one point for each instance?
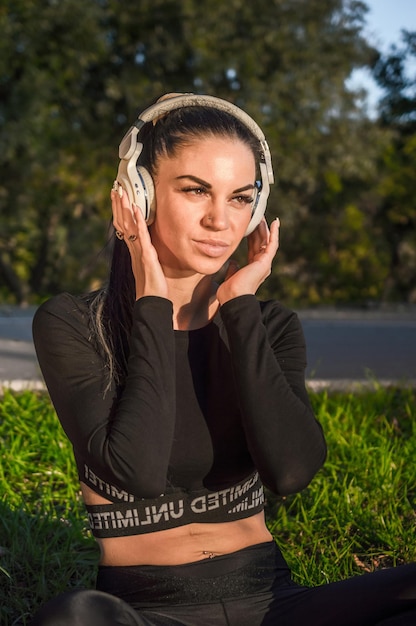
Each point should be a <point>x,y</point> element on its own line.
<point>115,206</point>
<point>274,233</point>
<point>263,231</point>
<point>269,250</point>
<point>124,219</point>
<point>258,240</point>
<point>129,221</point>
<point>259,236</point>
<point>116,195</point>
<point>141,227</point>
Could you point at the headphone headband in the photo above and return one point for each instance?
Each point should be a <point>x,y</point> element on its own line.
<point>138,177</point>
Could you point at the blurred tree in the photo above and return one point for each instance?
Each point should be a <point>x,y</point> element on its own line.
<point>397,211</point>
<point>395,74</point>
<point>51,181</point>
<point>73,73</point>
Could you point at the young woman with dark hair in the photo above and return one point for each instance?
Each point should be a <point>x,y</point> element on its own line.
<point>183,396</point>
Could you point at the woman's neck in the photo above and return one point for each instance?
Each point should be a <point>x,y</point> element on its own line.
<point>194,302</point>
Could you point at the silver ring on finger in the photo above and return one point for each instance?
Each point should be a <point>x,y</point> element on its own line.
<point>119,235</point>
<point>132,237</point>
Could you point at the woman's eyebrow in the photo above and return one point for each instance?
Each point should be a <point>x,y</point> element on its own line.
<point>201,182</point>
<point>207,185</point>
<point>246,188</point>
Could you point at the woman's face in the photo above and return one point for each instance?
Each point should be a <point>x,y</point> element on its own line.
<point>204,201</point>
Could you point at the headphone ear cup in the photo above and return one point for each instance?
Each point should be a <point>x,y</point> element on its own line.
<point>148,207</point>
<point>261,201</point>
<point>139,186</point>
<point>258,213</point>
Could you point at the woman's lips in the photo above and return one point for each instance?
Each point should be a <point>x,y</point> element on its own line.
<point>212,247</point>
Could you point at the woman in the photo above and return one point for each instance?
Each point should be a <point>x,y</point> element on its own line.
<point>182,397</point>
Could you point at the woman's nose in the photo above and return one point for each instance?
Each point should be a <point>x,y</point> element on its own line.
<point>216,216</point>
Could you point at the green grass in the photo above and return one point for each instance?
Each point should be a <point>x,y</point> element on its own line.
<point>44,545</point>
<point>357,515</point>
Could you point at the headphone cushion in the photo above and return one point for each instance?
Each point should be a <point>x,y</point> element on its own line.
<point>146,181</point>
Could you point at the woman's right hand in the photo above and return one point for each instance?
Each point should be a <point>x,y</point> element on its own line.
<point>132,228</point>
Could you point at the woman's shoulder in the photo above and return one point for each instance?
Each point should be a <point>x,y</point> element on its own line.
<point>275,309</point>
<point>248,307</point>
<point>279,320</point>
<point>283,326</point>
<point>68,304</point>
<point>65,309</point>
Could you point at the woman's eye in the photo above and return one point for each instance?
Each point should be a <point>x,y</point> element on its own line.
<point>244,199</point>
<point>197,191</point>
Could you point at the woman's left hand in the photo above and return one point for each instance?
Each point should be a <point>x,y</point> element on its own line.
<point>263,244</point>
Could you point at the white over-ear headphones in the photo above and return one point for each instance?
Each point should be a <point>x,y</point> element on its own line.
<point>137,181</point>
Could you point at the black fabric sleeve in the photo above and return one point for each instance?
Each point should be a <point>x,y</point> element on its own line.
<point>269,359</point>
<point>126,441</point>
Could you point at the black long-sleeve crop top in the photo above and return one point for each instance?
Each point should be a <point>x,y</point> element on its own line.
<point>201,413</point>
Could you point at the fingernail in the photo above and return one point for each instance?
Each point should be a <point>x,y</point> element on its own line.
<point>120,191</point>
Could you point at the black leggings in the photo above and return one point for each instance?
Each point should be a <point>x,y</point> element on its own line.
<point>251,587</point>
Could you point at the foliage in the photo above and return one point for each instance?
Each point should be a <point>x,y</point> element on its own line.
<point>52,184</point>
<point>397,211</point>
<point>357,515</point>
<point>393,74</point>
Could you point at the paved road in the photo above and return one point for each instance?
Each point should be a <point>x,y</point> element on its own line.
<point>360,348</point>
<point>18,365</point>
<point>344,348</point>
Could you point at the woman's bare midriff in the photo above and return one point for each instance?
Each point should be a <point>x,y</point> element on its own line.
<point>176,546</point>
